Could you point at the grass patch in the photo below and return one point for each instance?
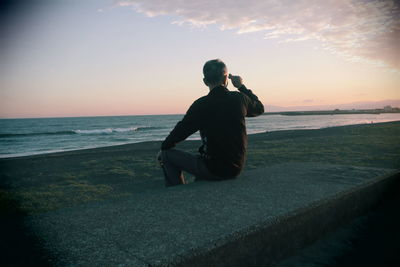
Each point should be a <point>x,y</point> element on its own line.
<point>375,146</point>
<point>55,196</point>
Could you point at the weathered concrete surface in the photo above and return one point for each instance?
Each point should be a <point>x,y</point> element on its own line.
<point>258,219</point>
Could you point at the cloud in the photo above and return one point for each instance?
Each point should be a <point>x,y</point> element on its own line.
<point>366,30</point>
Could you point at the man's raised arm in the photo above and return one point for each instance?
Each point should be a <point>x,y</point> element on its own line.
<point>254,106</point>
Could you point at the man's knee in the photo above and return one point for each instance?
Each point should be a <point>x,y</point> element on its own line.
<point>165,155</point>
<point>177,158</point>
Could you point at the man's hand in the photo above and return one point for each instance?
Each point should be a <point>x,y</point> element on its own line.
<point>237,81</point>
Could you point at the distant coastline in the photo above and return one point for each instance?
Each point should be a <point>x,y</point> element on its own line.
<point>335,112</point>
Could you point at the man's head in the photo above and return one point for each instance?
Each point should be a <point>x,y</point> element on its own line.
<point>215,73</point>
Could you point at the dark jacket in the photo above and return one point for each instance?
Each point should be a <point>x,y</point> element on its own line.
<point>220,117</point>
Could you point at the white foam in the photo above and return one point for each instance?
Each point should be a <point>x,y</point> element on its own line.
<point>107,130</point>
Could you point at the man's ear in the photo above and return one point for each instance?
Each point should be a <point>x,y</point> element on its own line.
<point>225,79</point>
<point>205,82</point>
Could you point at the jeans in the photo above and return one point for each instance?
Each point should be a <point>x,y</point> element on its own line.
<point>174,162</point>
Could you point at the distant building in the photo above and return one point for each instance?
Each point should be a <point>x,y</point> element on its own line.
<point>388,108</point>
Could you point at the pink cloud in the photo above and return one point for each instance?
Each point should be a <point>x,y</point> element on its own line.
<point>355,29</point>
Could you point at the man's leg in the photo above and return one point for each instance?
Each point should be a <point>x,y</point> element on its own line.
<point>174,162</point>
<point>202,172</point>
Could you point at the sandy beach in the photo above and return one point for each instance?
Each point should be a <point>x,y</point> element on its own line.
<point>46,182</point>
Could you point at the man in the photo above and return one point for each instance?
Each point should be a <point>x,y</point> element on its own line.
<point>220,118</point>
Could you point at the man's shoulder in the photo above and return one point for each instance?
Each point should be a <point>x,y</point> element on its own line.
<point>239,96</point>
<point>204,99</point>
<point>235,94</point>
<point>200,100</point>
<point>198,104</point>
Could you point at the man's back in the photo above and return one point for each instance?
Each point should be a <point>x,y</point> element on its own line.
<point>220,117</point>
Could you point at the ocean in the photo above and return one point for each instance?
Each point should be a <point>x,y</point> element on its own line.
<point>22,137</point>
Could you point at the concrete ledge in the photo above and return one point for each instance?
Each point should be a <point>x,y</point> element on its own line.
<point>256,220</point>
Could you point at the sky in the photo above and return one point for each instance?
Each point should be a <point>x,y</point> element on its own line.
<point>103,57</point>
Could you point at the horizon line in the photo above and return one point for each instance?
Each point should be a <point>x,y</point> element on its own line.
<point>174,114</point>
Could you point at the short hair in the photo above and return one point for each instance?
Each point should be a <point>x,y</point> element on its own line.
<point>214,70</point>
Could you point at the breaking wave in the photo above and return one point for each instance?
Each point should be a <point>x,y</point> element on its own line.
<point>92,131</point>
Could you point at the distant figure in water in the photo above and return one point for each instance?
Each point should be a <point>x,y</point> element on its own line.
<point>220,118</point>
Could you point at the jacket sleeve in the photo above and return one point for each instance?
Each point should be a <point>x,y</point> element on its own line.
<point>184,128</point>
<point>254,106</point>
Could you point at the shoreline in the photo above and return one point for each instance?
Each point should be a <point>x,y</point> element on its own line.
<point>142,143</point>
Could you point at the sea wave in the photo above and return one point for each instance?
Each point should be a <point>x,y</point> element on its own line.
<point>115,130</point>
<point>79,131</point>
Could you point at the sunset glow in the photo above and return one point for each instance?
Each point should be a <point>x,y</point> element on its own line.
<point>89,58</point>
